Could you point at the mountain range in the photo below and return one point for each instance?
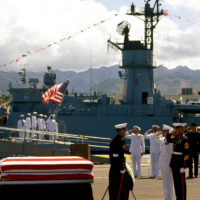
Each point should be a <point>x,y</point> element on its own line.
<point>106,79</point>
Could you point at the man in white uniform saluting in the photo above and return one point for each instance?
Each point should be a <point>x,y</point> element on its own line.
<point>154,149</point>
<point>137,149</point>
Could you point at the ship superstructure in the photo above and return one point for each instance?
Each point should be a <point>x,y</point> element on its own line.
<point>95,114</point>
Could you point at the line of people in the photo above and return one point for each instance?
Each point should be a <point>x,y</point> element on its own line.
<point>41,123</point>
<point>172,150</point>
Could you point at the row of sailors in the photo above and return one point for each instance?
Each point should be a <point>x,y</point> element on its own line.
<point>34,123</point>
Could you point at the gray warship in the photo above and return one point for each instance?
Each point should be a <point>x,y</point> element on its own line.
<point>95,115</point>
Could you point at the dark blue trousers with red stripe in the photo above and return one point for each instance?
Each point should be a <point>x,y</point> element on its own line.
<point>179,184</point>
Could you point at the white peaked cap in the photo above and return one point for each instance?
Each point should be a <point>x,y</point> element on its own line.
<point>28,114</point>
<point>40,115</point>
<point>177,125</point>
<point>166,128</point>
<point>21,115</point>
<point>155,127</point>
<point>120,126</point>
<point>35,113</point>
<point>137,127</point>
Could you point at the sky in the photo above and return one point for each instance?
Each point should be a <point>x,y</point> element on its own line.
<point>35,28</point>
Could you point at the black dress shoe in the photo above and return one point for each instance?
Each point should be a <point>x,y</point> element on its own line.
<point>189,177</point>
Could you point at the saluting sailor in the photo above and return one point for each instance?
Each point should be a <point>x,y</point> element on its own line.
<point>21,124</point>
<point>118,189</point>
<point>137,149</point>
<point>164,160</point>
<point>179,159</point>
<point>154,149</point>
<point>34,123</point>
<point>28,125</point>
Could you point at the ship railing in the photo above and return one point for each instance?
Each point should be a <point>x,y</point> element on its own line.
<point>44,137</point>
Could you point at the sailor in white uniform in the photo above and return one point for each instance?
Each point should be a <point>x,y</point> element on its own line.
<point>21,124</point>
<point>164,160</point>
<point>52,126</point>
<point>28,125</point>
<point>154,149</point>
<point>137,149</point>
<point>40,124</point>
<point>33,123</point>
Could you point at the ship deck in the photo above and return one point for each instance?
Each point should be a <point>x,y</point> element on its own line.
<point>145,187</point>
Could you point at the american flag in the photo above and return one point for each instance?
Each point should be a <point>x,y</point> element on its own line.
<point>56,93</point>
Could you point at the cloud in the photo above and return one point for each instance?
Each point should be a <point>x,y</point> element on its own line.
<point>176,40</point>
<point>31,25</point>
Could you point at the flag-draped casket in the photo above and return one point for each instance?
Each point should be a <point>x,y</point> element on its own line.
<point>67,172</point>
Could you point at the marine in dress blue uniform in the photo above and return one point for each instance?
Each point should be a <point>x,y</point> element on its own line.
<point>118,185</point>
<point>179,159</point>
<point>193,136</point>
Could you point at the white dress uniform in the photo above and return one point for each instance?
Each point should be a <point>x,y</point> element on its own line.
<point>21,124</point>
<point>154,151</point>
<point>136,148</point>
<point>163,165</point>
<point>52,126</point>
<point>40,124</point>
<point>28,127</point>
<point>33,125</point>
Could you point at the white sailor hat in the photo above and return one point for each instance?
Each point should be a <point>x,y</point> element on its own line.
<point>21,115</point>
<point>178,125</point>
<point>137,127</point>
<point>28,114</point>
<point>166,127</point>
<point>40,115</point>
<point>44,115</point>
<point>35,113</point>
<point>198,127</point>
<point>155,127</point>
<point>120,126</point>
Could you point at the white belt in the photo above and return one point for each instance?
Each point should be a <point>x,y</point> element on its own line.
<point>115,155</point>
<point>177,153</point>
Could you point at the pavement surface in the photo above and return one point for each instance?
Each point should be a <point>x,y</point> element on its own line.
<point>145,187</point>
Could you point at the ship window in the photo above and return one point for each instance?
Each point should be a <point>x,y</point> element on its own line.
<point>144,97</point>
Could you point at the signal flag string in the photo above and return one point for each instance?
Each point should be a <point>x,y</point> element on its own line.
<point>16,60</point>
<point>166,13</point>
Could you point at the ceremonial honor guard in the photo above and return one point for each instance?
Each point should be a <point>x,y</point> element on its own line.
<point>21,124</point>
<point>34,123</point>
<point>164,160</point>
<point>154,149</point>
<point>118,187</point>
<point>40,124</point>
<point>28,125</point>
<point>52,126</point>
<point>137,149</point>
<point>179,159</point>
<point>193,136</point>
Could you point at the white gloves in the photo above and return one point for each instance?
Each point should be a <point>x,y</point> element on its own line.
<point>122,171</point>
<point>182,170</point>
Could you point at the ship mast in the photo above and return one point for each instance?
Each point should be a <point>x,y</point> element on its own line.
<point>151,19</point>
<point>137,56</point>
